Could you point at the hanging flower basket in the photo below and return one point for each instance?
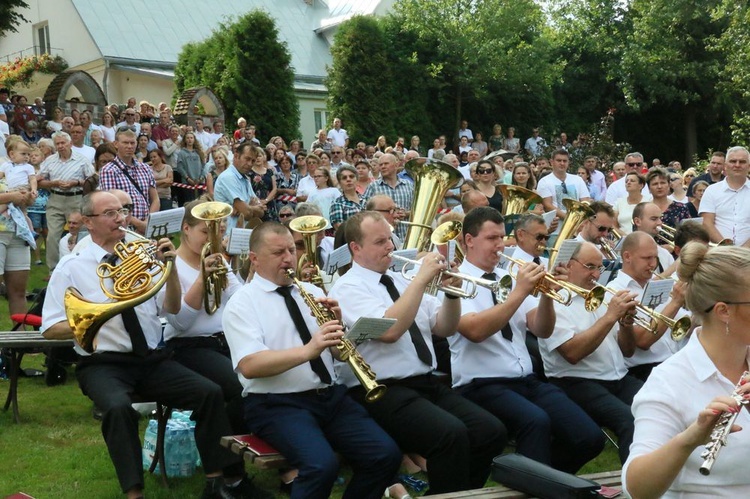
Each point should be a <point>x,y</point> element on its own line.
<point>21,71</point>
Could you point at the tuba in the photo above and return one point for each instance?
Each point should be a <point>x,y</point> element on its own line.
<point>577,213</point>
<point>309,226</point>
<point>132,284</point>
<point>516,201</point>
<point>432,179</point>
<point>214,283</point>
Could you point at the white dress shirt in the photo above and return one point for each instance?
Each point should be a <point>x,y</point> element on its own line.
<point>520,254</point>
<point>79,270</point>
<point>256,319</point>
<point>665,347</point>
<point>616,190</point>
<point>190,322</point>
<point>669,402</point>
<point>665,258</point>
<point>360,294</point>
<point>731,208</point>
<point>606,363</point>
<point>495,356</point>
<point>598,179</point>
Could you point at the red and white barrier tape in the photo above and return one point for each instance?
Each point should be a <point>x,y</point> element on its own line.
<point>188,186</point>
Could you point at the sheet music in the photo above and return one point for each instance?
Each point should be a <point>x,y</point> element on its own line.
<point>163,223</point>
<point>397,265</point>
<point>549,217</point>
<point>657,292</point>
<point>567,248</point>
<point>369,328</point>
<point>338,258</point>
<point>451,250</point>
<point>239,241</point>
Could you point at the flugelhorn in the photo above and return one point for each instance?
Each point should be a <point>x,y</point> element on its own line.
<point>577,213</point>
<point>349,354</point>
<point>499,288</point>
<point>309,226</point>
<point>446,232</point>
<point>132,284</point>
<point>214,283</point>
<point>666,233</point>
<point>679,327</point>
<point>721,430</point>
<point>593,298</point>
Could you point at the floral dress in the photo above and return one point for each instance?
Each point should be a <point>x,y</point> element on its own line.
<point>262,185</point>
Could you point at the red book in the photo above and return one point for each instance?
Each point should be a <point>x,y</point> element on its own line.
<point>256,445</point>
<point>19,495</point>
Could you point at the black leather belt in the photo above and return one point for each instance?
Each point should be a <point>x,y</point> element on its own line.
<point>67,194</point>
<point>325,390</point>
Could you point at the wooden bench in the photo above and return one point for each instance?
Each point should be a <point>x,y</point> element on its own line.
<point>264,461</point>
<point>17,344</point>
<point>607,478</point>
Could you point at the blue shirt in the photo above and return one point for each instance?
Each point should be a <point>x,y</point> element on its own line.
<point>231,185</point>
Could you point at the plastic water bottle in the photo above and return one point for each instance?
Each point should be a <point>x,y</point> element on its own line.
<point>149,446</point>
<point>172,452</point>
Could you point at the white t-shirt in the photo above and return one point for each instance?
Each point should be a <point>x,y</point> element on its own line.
<point>323,199</point>
<point>87,152</point>
<point>572,188</point>
<point>338,137</point>
<point>16,175</point>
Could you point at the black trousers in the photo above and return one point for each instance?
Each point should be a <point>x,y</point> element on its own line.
<point>109,379</point>
<point>209,356</point>
<point>608,403</point>
<point>457,437</point>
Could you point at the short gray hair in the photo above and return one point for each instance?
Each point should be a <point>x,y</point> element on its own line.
<point>64,135</point>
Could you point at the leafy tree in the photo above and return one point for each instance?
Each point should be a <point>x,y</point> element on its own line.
<point>249,69</point>
<point>667,61</point>
<point>734,42</point>
<point>10,17</point>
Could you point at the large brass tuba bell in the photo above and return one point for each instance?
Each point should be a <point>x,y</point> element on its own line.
<point>133,284</point>
<point>577,213</point>
<point>309,226</point>
<point>214,283</point>
<point>516,201</point>
<point>432,179</point>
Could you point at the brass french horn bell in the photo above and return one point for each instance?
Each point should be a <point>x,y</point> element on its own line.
<point>309,226</point>
<point>446,232</point>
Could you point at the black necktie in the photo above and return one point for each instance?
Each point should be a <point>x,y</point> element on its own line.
<point>506,330</point>
<point>131,322</point>
<point>317,364</point>
<point>416,335</point>
<point>537,260</point>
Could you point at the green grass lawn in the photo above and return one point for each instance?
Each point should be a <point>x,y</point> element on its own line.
<point>57,450</point>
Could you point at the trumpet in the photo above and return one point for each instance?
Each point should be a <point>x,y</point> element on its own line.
<point>446,232</point>
<point>679,327</point>
<point>666,233</point>
<point>500,288</point>
<point>593,298</point>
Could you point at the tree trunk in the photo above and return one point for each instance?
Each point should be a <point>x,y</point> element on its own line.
<point>459,104</point>
<point>691,136</point>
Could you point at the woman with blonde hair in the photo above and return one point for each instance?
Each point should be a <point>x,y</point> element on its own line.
<point>486,180</point>
<point>190,164</point>
<point>688,177</point>
<point>684,398</point>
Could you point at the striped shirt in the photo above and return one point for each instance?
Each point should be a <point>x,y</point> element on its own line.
<point>402,195</point>
<point>112,176</point>
<point>77,167</point>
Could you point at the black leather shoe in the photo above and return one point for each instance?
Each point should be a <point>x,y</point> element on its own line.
<point>215,489</point>
<point>246,489</point>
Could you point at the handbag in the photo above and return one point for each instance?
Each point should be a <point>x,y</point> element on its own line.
<point>539,480</point>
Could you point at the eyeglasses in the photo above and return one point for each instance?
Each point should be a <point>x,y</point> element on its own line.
<point>633,164</point>
<point>286,215</point>
<point>128,206</point>
<point>674,178</point>
<point>389,210</point>
<point>590,266</point>
<point>111,214</point>
<point>728,303</point>
<point>484,171</point>
<point>124,128</point>
<point>602,228</point>
<point>538,237</point>
<point>689,176</point>
<point>337,152</point>
<point>564,187</point>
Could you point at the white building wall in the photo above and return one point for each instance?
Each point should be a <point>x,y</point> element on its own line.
<point>308,104</point>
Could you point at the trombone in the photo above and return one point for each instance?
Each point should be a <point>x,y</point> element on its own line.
<point>500,288</point>
<point>679,326</point>
<point>593,298</point>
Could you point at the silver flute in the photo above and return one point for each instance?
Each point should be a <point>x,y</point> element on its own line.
<point>721,431</point>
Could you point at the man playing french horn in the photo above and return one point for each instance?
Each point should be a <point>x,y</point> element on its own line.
<point>491,363</point>
<point>285,359</point>
<point>125,358</point>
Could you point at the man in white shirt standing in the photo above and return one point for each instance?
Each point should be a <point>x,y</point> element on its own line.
<point>204,137</point>
<point>585,355</point>
<point>535,144</point>
<point>457,437</point>
<point>77,135</point>
<point>491,365</point>
<point>597,177</point>
<point>653,346</point>
<point>465,131</point>
<point>561,185</point>
<point>725,206</point>
<point>338,135</point>
<point>616,190</point>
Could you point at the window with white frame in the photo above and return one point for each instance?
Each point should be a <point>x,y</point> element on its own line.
<point>41,38</point>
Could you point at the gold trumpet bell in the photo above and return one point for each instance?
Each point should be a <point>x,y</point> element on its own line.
<point>446,232</point>
<point>211,211</point>
<point>309,226</point>
<point>432,179</point>
<point>577,213</point>
<point>516,201</point>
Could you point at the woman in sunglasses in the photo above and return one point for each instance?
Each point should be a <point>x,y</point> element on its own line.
<point>486,180</point>
<point>676,185</point>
